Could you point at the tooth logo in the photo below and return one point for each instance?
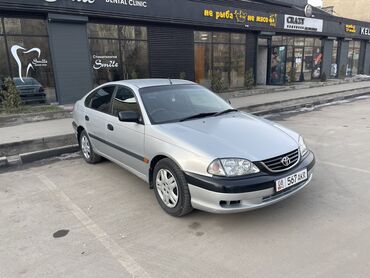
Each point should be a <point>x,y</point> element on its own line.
<point>15,52</point>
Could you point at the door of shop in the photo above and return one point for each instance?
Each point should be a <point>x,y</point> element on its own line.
<point>277,65</point>
<point>297,68</point>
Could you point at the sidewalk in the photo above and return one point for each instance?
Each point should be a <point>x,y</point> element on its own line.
<point>34,131</point>
<point>38,140</point>
<point>35,141</point>
<point>270,102</point>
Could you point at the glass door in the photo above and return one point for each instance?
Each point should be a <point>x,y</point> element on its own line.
<point>297,74</point>
<point>277,65</point>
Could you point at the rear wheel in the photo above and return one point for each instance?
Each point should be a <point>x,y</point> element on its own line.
<point>87,149</point>
<point>171,188</point>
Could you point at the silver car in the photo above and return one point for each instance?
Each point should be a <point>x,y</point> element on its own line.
<point>191,146</point>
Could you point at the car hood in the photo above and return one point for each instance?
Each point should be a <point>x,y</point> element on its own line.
<point>232,135</point>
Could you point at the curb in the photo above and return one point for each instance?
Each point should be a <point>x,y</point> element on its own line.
<point>244,93</point>
<point>44,154</point>
<point>291,108</point>
<point>7,162</point>
<point>12,120</point>
<point>356,92</point>
<point>27,146</point>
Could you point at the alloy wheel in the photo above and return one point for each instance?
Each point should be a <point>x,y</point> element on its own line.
<point>167,188</point>
<point>85,146</point>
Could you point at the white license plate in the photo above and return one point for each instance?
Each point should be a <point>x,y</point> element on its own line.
<point>291,180</point>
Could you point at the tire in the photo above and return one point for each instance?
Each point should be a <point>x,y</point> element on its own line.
<point>169,182</point>
<point>87,149</point>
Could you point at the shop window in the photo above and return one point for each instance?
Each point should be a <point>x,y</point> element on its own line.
<point>334,60</point>
<point>237,73</point>
<point>203,63</point>
<point>202,37</point>
<point>4,69</point>
<point>238,38</point>
<point>299,41</point>
<point>309,42</point>
<point>220,37</point>
<point>102,31</point>
<point>25,26</point>
<point>106,60</point>
<point>220,55</point>
<point>133,33</point>
<point>221,62</point>
<point>118,52</point>
<point>353,58</point>
<point>277,40</point>
<point>28,60</point>
<point>135,59</point>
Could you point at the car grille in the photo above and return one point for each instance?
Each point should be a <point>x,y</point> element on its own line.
<point>276,164</point>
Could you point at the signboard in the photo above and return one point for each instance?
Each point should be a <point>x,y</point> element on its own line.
<point>242,16</point>
<point>350,28</point>
<point>298,23</point>
<point>365,31</point>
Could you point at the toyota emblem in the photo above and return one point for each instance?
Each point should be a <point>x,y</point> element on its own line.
<point>286,161</point>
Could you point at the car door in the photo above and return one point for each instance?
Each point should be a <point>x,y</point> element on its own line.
<point>127,139</point>
<point>98,105</point>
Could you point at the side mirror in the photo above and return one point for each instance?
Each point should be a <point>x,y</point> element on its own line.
<point>129,116</point>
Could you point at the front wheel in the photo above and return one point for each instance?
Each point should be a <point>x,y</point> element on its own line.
<point>87,149</point>
<point>171,188</point>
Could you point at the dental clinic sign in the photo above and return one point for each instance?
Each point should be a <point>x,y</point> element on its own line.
<point>299,23</point>
<point>25,67</point>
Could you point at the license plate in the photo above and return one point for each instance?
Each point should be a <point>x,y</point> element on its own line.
<point>291,180</point>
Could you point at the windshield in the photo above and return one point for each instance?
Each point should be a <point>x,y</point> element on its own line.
<point>26,81</point>
<point>168,104</point>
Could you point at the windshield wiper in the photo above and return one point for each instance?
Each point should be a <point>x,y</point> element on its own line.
<point>198,116</point>
<point>225,112</point>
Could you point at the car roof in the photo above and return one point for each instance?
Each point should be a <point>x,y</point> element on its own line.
<point>144,83</point>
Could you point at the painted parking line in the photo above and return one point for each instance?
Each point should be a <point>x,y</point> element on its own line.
<point>345,167</point>
<point>127,262</point>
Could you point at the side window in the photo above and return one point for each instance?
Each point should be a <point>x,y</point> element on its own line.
<point>124,100</point>
<point>100,100</point>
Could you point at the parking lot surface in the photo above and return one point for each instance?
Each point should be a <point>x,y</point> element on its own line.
<point>69,219</point>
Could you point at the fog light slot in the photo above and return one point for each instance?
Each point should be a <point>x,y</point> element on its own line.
<point>229,204</point>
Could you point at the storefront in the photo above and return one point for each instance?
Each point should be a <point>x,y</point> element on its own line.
<point>64,48</point>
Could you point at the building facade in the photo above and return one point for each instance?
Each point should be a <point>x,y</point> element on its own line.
<point>349,9</point>
<point>71,46</point>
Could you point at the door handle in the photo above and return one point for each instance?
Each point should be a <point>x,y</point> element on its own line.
<point>87,118</point>
<point>110,127</point>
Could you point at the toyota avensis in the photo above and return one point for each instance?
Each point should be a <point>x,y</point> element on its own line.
<point>191,146</point>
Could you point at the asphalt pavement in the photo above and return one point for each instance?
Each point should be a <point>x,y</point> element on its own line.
<point>65,218</point>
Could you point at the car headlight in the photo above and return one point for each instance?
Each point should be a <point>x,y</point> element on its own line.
<point>232,167</point>
<point>302,146</point>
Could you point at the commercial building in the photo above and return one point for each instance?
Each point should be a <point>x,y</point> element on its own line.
<point>348,8</point>
<point>70,46</point>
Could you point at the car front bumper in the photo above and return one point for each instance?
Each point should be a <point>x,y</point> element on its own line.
<point>244,194</point>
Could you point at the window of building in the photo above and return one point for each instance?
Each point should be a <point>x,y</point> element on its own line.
<point>220,56</point>
<point>304,57</point>
<point>334,60</point>
<point>118,52</point>
<point>24,48</point>
<point>4,68</point>
<point>353,58</point>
